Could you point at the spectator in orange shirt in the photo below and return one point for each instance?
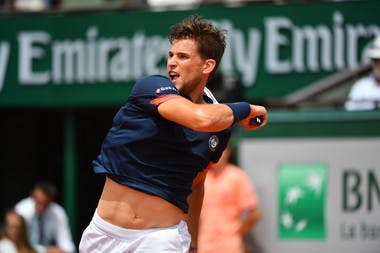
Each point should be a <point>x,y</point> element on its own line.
<point>230,208</point>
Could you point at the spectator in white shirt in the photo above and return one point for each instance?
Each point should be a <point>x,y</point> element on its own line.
<point>7,245</point>
<point>365,93</point>
<point>173,4</point>
<point>48,226</point>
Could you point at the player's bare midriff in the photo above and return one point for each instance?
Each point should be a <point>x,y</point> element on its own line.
<point>125,207</point>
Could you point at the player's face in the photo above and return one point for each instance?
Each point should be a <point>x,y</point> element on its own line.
<point>185,65</point>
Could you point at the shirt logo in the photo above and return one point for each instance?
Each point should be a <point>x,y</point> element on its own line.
<point>213,142</point>
<point>161,89</point>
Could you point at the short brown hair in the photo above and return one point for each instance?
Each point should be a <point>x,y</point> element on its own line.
<point>210,40</point>
<point>46,187</point>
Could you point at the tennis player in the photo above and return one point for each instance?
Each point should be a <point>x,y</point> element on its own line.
<point>156,154</point>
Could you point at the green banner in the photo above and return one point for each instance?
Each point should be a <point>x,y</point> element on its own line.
<point>93,59</point>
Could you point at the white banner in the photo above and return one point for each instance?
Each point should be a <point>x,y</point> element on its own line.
<point>316,194</point>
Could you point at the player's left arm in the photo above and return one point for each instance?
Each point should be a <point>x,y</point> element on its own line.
<point>195,201</point>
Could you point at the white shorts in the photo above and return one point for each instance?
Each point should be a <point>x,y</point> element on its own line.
<point>101,236</point>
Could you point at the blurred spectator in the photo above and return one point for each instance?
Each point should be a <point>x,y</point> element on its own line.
<point>230,208</point>
<point>16,231</point>
<point>6,245</point>
<point>47,221</point>
<point>365,93</point>
<point>35,5</point>
<point>30,5</point>
<point>163,4</point>
<point>236,3</point>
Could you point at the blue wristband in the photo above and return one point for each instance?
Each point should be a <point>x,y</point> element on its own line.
<point>240,110</point>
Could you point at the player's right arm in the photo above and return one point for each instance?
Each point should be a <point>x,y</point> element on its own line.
<point>208,117</point>
<point>157,94</point>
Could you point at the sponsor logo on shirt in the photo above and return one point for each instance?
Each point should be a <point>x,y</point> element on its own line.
<point>162,89</point>
<point>213,142</point>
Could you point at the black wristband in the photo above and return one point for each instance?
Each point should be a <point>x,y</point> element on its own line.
<point>240,110</point>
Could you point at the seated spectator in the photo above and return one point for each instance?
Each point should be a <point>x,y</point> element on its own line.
<point>16,231</point>
<point>365,93</point>
<point>163,4</point>
<point>47,221</point>
<point>35,5</point>
<point>7,245</point>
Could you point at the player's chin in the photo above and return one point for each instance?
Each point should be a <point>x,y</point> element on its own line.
<point>178,84</point>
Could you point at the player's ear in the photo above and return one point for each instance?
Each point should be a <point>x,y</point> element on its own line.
<point>209,66</point>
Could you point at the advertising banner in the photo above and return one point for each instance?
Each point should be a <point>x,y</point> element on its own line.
<point>316,194</point>
<point>93,58</point>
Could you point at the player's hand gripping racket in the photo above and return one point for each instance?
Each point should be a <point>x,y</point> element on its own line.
<point>256,121</point>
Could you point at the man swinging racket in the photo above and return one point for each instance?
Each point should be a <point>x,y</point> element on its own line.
<point>156,154</point>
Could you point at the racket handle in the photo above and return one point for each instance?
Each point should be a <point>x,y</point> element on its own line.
<point>256,121</point>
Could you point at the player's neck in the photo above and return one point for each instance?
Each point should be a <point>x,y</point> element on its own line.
<point>197,95</point>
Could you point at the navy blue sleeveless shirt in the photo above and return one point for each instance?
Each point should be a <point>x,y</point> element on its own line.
<point>144,151</point>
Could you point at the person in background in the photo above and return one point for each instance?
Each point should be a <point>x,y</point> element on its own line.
<point>173,4</point>
<point>47,222</point>
<point>6,245</point>
<point>16,231</point>
<point>230,208</point>
<point>35,5</point>
<point>365,93</point>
